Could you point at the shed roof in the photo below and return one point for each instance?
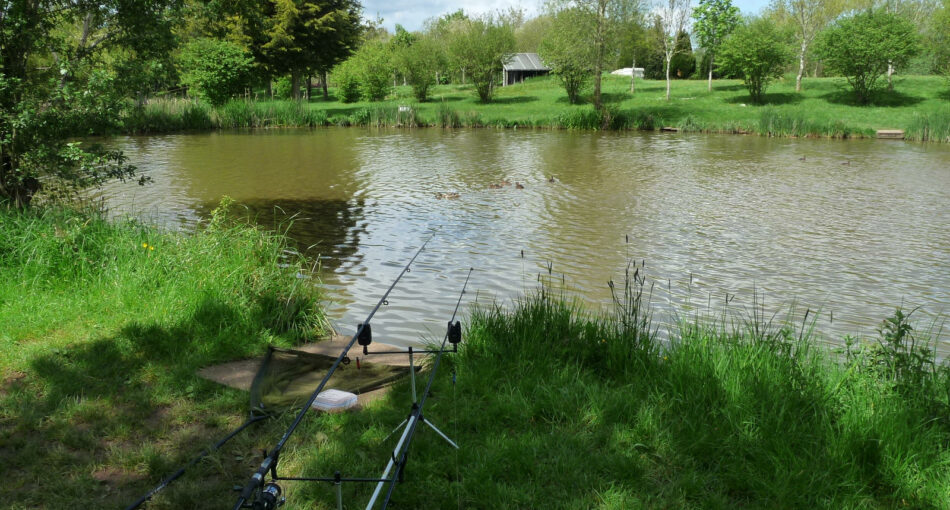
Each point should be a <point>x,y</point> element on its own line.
<point>525,62</point>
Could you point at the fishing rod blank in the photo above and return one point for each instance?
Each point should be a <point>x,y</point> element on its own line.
<point>452,335</point>
<point>270,495</point>
<point>174,476</point>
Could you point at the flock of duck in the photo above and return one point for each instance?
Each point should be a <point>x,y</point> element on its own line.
<point>499,185</point>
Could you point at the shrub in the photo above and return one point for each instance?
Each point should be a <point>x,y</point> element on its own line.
<point>756,52</point>
<point>862,48</point>
<point>215,69</point>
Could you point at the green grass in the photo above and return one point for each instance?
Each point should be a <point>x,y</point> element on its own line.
<point>918,104</point>
<point>553,407</point>
<point>102,327</point>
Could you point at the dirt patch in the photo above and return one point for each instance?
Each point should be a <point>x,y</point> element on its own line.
<point>114,477</point>
<point>12,381</point>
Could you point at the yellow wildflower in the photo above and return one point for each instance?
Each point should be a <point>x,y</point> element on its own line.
<point>144,245</point>
<point>151,248</point>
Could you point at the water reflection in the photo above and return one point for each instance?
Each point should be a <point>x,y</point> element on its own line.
<point>784,220</point>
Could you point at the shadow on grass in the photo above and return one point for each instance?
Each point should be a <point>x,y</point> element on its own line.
<point>514,99</point>
<point>776,98</point>
<point>81,428</point>
<point>879,98</point>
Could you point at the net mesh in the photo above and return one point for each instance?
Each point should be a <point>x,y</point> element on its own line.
<point>287,378</point>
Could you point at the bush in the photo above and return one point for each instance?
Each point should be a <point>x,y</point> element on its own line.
<point>756,52</point>
<point>347,82</point>
<point>863,46</point>
<point>215,69</point>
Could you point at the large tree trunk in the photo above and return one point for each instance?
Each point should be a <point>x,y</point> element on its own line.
<point>711,56</point>
<point>295,85</point>
<point>326,91</point>
<point>309,87</point>
<point>801,67</point>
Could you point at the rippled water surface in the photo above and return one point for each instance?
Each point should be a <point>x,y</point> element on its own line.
<point>853,228</point>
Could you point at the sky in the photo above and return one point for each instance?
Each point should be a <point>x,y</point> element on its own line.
<point>412,13</point>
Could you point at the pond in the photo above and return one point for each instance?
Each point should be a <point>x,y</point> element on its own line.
<point>851,229</point>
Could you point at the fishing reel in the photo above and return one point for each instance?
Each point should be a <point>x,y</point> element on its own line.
<point>269,497</point>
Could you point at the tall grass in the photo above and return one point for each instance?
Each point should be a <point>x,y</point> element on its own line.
<point>182,115</point>
<point>775,122</point>
<point>930,127</point>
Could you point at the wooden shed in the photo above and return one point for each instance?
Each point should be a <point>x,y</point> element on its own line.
<point>524,65</point>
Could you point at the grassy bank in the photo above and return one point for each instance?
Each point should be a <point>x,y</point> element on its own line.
<point>553,407</point>
<point>102,327</point>
<point>919,105</point>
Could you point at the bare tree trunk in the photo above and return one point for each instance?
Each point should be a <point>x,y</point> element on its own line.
<point>599,59</point>
<point>890,72</point>
<point>668,58</point>
<point>323,79</point>
<point>633,76</point>
<point>801,67</point>
<point>309,87</point>
<point>711,56</point>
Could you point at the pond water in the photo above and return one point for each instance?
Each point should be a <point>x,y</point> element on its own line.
<point>850,228</point>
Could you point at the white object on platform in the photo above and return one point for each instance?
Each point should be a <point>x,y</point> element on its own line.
<point>334,400</point>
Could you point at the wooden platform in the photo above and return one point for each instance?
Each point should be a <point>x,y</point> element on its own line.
<point>239,374</point>
<point>890,134</point>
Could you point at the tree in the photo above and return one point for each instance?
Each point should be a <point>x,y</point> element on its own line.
<point>301,36</point>
<point>939,39</point>
<point>606,17</point>
<point>215,69</point>
<point>683,63</point>
<point>756,52</point>
<point>50,88</point>
<point>715,20</point>
<point>567,50</point>
<point>481,46</point>
<point>862,47</point>
<point>673,16</point>
<point>373,66</point>
<point>809,17</point>
<point>419,63</point>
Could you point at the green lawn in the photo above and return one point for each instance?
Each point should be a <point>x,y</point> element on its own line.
<point>920,105</point>
<point>825,107</point>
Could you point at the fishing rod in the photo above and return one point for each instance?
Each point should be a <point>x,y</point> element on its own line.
<point>452,335</point>
<point>254,418</point>
<point>269,494</point>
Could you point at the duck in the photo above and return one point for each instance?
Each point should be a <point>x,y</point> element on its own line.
<point>495,186</point>
<point>847,162</point>
<point>518,185</point>
<point>505,182</point>
<point>449,195</point>
<point>552,179</point>
<point>801,158</point>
